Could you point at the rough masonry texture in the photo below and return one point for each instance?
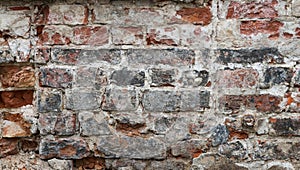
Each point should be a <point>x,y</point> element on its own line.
<point>150,84</point>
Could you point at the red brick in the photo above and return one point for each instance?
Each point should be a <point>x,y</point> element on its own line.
<point>164,35</point>
<point>287,35</point>
<point>87,35</point>
<point>127,35</point>
<point>18,8</point>
<point>42,55</point>
<point>8,147</point>
<point>14,99</point>
<point>265,27</point>
<point>67,14</point>
<point>54,35</point>
<point>55,77</point>
<point>17,76</point>
<point>199,16</point>
<point>239,78</point>
<point>28,145</point>
<point>14,125</point>
<point>297,31</point>
<point>252,10</point>
<point>262,103</point>
<point>293,101</point>
<point>90,163</point>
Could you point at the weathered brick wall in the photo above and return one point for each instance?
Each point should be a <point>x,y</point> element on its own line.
<point>182,84</point>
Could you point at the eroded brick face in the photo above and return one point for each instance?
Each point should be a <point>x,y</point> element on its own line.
<point>252,10</point>
<point>151,84</point>
<point>200,16</point>
<point>265,27</point>
<point>16,76</point>
<point>14,99</point>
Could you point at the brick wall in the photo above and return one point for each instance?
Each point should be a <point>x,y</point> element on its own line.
<point>150,84</point>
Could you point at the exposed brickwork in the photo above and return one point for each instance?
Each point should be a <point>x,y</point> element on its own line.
<point>265,27</point>
<point>252,10</point>
<point>14,99</point>
<point>14,76</point>
<point>150,84</point>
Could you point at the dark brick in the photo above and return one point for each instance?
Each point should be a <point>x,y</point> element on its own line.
<point>131,147</point>
<point>161,77</point>
<point>263,103</point>
<point>249,56</point>
<point>220,135</point>
<point>49,101</point>
<point>278,75</point>
<point>57,124</point>
<point>63,148</point>
<point>285,126</point>
<point>127,77</point>
<point>14,99</point>
<point>194,100</point>
<point>17,76</point>
<point>55,77</point>
<point>173,57</point>
<point>172,101</point>
<point>8,147</point>
<point>93,77</point>
<point>195,78</point>
<point>120,100</point>
<point>78,56</point>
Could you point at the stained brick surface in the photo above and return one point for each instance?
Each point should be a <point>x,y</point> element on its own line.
<point>151,84</point>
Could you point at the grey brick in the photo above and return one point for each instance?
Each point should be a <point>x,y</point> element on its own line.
<point>249,56</point>
<point>127,77</point>
<point>93,124</point>
<point>49,100</point>
<point>172,57</point>
<point>120,100</point>
<point>131,147</point>
<point>82,99</point>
